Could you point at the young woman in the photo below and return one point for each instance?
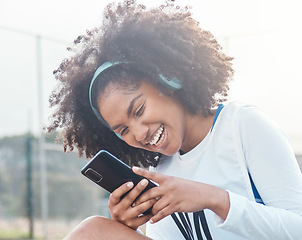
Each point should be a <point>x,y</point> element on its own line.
<point>148,86</point>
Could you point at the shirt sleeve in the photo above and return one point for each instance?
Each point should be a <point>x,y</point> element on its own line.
<point>277,177</point>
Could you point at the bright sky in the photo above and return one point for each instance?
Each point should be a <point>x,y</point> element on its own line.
<point>264,36</point>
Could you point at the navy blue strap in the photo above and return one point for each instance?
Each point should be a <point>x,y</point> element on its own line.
<point>186,223</point>
<point>183,231</point>
<point>197,226</point>
<point>255,192</point>
<point>185,226</point>
<point>218,110</point>
<point>200,216</point>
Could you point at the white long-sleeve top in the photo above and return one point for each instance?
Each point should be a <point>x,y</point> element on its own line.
<point>242,141</point>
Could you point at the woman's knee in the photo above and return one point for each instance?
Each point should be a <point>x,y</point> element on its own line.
<point>90,228</point>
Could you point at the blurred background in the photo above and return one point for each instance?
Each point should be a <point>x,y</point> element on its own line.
<point>42,193</point>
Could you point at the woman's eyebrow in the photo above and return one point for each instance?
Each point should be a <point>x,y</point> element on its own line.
<point>115,127</point>
<point>129,111</point>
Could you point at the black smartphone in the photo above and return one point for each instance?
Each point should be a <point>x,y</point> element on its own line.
<point>109,172</point>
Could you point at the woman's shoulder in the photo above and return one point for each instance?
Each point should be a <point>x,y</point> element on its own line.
<point>237,107</point>
<point>235,110</point>
<point>245,115</point>
<point>251,118</point>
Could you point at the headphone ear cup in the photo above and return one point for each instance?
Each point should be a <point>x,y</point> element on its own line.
<point>119,136</point>
<point>173,83</point>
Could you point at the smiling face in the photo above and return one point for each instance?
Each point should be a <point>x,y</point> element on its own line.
<point>145,117</point>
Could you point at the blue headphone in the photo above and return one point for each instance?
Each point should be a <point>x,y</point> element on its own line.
<point>172,84</point>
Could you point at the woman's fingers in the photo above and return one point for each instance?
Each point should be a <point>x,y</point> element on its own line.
<point>128,196</point>
<point>161,209</point>
<point>164,212</point>
<point>116,195</point>
<point>136,191</point>
<point>125,211</point>
<point>156,177</point>
<point>143,207</point>
<point>140,220</point>
<point>152,193</point>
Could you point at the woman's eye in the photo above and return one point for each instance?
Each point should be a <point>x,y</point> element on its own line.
<point>140,111</point>
<point>124,131</point>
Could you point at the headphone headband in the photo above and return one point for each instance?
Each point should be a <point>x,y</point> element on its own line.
<point>95,77</point>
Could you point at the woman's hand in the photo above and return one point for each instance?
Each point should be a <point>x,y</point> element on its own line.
<point>124,211</point>
<point>180,195</point>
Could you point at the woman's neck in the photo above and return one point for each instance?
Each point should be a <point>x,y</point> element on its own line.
<point>198,127</point>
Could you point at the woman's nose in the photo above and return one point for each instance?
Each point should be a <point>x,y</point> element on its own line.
<point>139,131</point>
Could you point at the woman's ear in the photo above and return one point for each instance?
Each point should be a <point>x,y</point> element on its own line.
<point>167,92</point>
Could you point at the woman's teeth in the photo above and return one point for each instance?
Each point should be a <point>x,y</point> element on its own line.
<point>158,137</point>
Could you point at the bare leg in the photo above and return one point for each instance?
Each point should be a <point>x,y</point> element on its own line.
<point>99,228</point>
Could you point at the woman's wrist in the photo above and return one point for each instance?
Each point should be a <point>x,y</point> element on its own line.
<point>219,202</point>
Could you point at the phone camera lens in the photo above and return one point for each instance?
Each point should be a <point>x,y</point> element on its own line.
<point>93,175</point>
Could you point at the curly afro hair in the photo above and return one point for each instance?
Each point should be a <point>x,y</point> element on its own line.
<point>166,38</point>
